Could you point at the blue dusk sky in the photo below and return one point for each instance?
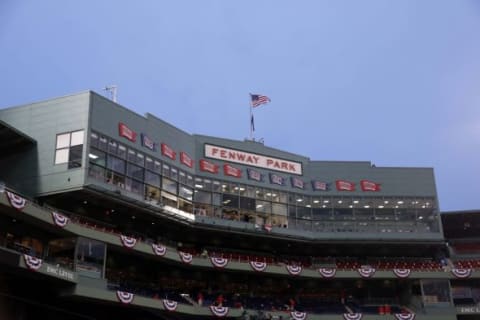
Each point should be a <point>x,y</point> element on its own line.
<point>393,82</point>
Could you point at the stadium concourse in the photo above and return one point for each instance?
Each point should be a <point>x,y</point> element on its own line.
<point>107,214</point>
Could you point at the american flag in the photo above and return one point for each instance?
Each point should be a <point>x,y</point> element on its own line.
<point>258,99</point>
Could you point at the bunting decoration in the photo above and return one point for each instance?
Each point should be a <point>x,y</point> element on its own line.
<point>16,201</point>
<point>219,311</point>
<point>327,272</point>
<point>159,249</point>
<point>258,266</point>
<point>405,316</point>
<point>294,269</point>
<point>128,242</point>
<point>366,272</point>
<point>170,305</point>
<point>297,315</point>
<point>219,262</point>
<point>59,219</point>
<point>185,257</point>
<point>462,273</point>
<point>402,273</point>
<point>33,263</point>
<point>352,316</point>
<point>125,297</point>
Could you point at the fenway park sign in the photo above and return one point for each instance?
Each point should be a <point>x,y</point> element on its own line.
<point>252,159</point>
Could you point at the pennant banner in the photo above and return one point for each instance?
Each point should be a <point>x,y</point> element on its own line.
<point>319,185</point>
<point>343,185</point>
<point>170,305</point>
<point>367,185</point>
<point>352,316</point>
<point>258,266</point>
<point>33,263</point>
<point>462,273</point>
<point>128,242</point>
<point>185,257</point>
<point>327,272</point>
<point>405,316</point>
<point>297,315</point>
<point>59,219</point>
<point>125,297</point>
<point>16,201</point>
<point>366,272</point>
<point>293,269</point>
<point>219,311</point>
<point>402,273</point>
<point>254,175</point>
<point>159,249</point>
<point>219,262</point>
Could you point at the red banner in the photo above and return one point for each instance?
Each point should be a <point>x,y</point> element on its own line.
<point>369,185</point>
<point>231,171</point>
<point>343,185</point>
<point>126,132</point>
<point>208,166</point>
<point>186,160</point>
<point>168,152</point>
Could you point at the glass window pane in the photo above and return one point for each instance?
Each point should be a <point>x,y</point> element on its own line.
<point>185,193</point>
<point>77,138</point>
<point>169,185</point>
<point>202,197</point>
<point>102,143</point>
<point>61,156</point>
<point>75,157</point>
<point>135,171</point>
<point>116,164</point>
<point>112,146</point>
<point>63,140</point>
<point>93,139</point>
<point>131,155</point>
<point>122,151</point>
<point>152,178</point>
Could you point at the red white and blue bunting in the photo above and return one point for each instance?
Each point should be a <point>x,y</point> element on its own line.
<point>462,273</point>
<point>258,266</point>
<point>33,263</point>
<point>219,311</point>
<point>297,315</point>
<point>59,219</point>
<point>405,316</point>
<point>170,305</point>
<point>294,269</point>
<point>16,201</point>
<point>366,272</point>
<point>219,262</point>
<point>125,297</point>
<point>327,272</point>
<point>402,273</point>
<point>352,316</point>
<point>159,250</point>
<point>128,242</point>
<point>185,257</point>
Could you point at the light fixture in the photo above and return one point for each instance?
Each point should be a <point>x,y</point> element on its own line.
<point>339,201</point>
<point>308,206</point>
<point>92,156</point>
<point>386,201</point>
<point>324,206</point>
<point>316,201</point>
<point>381,207</point>
<point>400,202</point>
<point>299,200</point>
<point>199,186</point>
<point>326,201</point>
<point>259,206</point>
<point>366,206</point>
<point>355,201</point>
<point>350,206</point>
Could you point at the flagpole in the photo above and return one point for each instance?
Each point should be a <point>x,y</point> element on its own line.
<point>250,119</point>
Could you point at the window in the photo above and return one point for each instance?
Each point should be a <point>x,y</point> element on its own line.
<point>69,149</point>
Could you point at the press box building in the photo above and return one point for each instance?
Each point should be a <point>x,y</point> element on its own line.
<point>131,216</point>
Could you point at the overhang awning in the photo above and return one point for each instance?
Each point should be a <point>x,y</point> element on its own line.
<point>13,140</point>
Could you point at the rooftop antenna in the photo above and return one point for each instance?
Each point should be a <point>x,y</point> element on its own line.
<point>113,91</point>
